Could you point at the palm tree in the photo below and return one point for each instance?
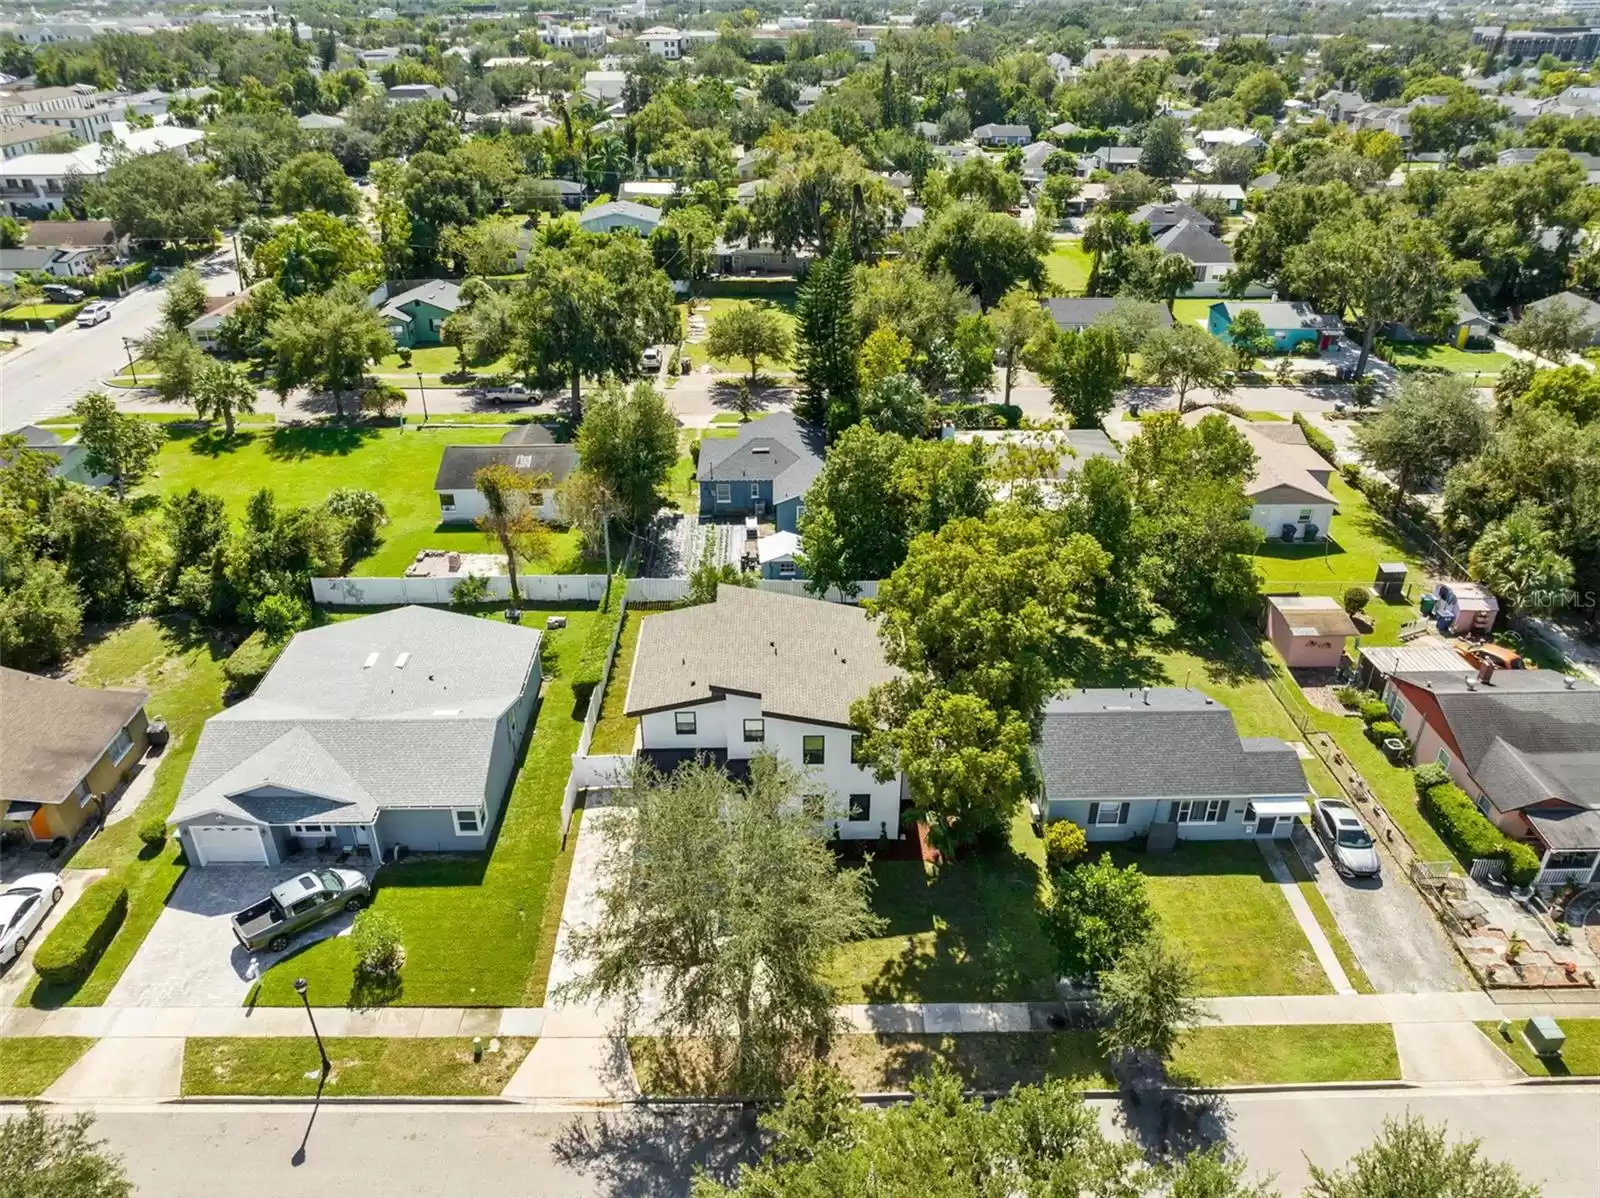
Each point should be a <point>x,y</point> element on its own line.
<point>511,518</point>
<point>608,160</point>
<point>1106,231</point>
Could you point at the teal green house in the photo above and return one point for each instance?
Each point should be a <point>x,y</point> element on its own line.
<point>416,317</point>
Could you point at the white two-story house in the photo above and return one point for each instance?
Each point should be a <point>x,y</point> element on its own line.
<point>760,672</point>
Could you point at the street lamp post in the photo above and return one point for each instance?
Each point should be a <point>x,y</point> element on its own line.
<point>300,988</point>
<point>127,348</point>
<point>424,392</point>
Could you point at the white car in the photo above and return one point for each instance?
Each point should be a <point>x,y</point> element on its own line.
<point>23,906</point>
<point>651,360</point>
<point>93,314</point>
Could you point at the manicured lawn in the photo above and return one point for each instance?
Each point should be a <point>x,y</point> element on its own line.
<point>1192,311</point>
<point>681,486</point>
<point>180,665</point>
<point>969,931</point>
<point>437,359</point>
<point>1211,1056</point>
<point>302,465</point>
<point>1448,357</point>
<point>1580,1056</point>
<point>362,1066</point>
<point>1067,268</point>
<point>614,731</point>
<point>1359,539</point>
<point>1265,417</point>
<point>41,312</point>
<point>474,925</point>
<point>1325,921</point>
<point>30,1065</point>
<point>715,307</point>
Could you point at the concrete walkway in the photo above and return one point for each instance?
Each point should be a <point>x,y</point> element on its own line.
<point>1434,1053</point>
<point>1326,957</point>
<point>123,1070</point>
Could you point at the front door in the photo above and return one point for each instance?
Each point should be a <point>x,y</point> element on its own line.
<point>1266,825</point>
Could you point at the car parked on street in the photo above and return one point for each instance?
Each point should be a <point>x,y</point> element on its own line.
<point>60,293</point>
<point>23,906</point>
<point>1348,843</point>
<point>297,904</point>
<point>651,361</point>
<point>93,314</point>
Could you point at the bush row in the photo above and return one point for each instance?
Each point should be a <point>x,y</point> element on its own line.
<point>25,315</point>
<point>70,951</point>
<point>113,280</point>
<point>1469,832</point>
<point>1316,438</point>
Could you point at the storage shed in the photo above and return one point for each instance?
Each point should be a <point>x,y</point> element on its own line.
<point>1464,607</point>
<point>1308,630</point>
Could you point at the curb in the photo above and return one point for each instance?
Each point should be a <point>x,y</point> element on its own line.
<point>463,1100</point>
<point>890,1096</point>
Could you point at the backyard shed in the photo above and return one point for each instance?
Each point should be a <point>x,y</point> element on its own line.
<point>1308,630</point>
<point>1464,607</point>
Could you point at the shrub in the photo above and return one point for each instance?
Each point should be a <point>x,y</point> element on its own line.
<point>1351,698</point>
<point>1356,600</point>
<point>1351,473</point>
<point>376,941</point>
<point>1460,824</point>
<point>360,514</point>
<point>1096,912</point>
<point>153,832</point>
<point>70,951</point>
<point>382,400</point>
<point>469,592</point>
<point>1373,710</point>
<point>1316,438</point>
<point>1522,863</point>
<point>1426,777</point>
<point>280,616</point>
<point>1382,730</point>
<point>249,663</point>
<point>1064,843</point>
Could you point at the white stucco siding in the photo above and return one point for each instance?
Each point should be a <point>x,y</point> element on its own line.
<point>1271,517</point>
<point>468,504</point>
<point>1144,812</point>
<point>659,729</point>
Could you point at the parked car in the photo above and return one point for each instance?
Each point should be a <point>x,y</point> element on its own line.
<point>1346,838</point>
<point>510,393</point>
<point>60,293</point>
<point>651,360</point>
<point>93,314</point>
<point>23,906</point>
<point>1496,655</point>
<point>298,904</point>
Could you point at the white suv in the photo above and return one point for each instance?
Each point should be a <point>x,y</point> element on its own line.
<point>92,314</point>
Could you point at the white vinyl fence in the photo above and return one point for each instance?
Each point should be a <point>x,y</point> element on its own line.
<point>674,590</point>
<point>389,592</point>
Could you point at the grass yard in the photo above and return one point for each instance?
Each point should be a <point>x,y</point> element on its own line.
<point>969,931</point>
<point>1580,1056</point>
<point>1192,311</point>
<point>180,664</point>
<point>477,928</point>
<point>1211,1056</point>
<point>30,1065</point>
<point>363,1066</point>
<point>1067,267</point>
<point>435,360</point>
<point>1447,357</point>
<point>614,731</point>
<point>303,464</point>
<point>24,312</point>
<point>715,307</point>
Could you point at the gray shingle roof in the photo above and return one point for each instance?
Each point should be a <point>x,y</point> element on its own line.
<point>786,451</point>
<point>441,293</point>
<point>459,465</point>
<point>1165,743</point>
<point>1069,313</point>
<point>368,737</point>
<point>805,658</point>
<point>55,732</point>
<point>1194,243</point>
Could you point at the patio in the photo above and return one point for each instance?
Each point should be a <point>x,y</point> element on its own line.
<point>1511,943</point>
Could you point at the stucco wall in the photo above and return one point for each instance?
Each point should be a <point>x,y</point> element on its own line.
<point>1143,812</point>
<point>1271,517</point>
<point>470,504</point>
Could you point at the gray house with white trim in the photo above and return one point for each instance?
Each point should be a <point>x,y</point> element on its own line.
<point>1122,763</point>
<point>396,729</point>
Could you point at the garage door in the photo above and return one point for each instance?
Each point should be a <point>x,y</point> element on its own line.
<point>222,843</point>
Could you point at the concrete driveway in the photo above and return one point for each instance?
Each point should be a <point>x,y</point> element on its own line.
<point>1392,932</point>
<point>190,958</point>
<point>19,974</point>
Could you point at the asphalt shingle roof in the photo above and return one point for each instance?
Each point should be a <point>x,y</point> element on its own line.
<point>459,465</point>
<point>778,448</point>
<point>55,732</point>
<point>1167,742</point>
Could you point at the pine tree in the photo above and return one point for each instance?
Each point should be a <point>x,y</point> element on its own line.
<point>830,340</point>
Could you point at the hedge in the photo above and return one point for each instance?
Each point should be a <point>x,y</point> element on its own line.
<point>1316,438</point>
<point>1469,832</point>
<point>735,287</point>
<point>113,280</point>
<point>1373,710</point>
<point>1381,730</point>
<point>70,951</point>
<point>26,314</point>
<point>247,665</point>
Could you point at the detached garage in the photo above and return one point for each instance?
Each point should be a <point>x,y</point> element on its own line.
<point>227,844</point>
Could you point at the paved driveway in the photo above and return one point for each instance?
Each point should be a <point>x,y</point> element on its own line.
<point>1390,929</point>
<point>19,973</point>
<point>190,958</point>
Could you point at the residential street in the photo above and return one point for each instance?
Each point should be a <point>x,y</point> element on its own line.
<point>406,1150</point>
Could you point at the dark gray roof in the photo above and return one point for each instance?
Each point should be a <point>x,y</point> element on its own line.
<point>1119,153</point>
<point>983,132</point>
<point>779,448</point>
<point>1194,243</point>
<point>1566,827</point>
<point>441,293</point>
<point>1586,308</point>
<point>460,464</point>
<point>1164,216</point>
<point>1165,742</point>
<point>532,433</point>
<point>1071,313</point>
<point>804,658</point>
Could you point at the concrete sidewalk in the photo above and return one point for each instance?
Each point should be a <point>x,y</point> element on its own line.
<point>1320,945</point>
<point>144,1023</point>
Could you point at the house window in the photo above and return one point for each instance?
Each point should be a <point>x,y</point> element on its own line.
<point>860,808</point>
<point>1397,706</point>
<point>755,490</point>
<point>121,743</point>
<point>83,794</point>
<point>311,829</point>
<point>684,722</point>
<point>811,750</point>
<point>1109,813</point>
<point>755,731</point>
<point>1305,514</point>
<point>1442,760</point>
<point>447,501</point>
<point>469,821</point>
<point>724,492</point>
<point>785,569</point>
<point>1202,811</point>
<point>855,749</point>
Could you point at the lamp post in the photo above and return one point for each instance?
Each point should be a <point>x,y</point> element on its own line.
<point>424,392</point>
<point>127,348</point>
<point>300,989</point>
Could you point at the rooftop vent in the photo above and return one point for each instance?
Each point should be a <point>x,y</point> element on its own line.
<point>372,660</point>
<point>524,461</point>
<point>761,449</point>
<point>400,662</point>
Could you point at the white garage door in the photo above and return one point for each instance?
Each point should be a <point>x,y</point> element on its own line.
<point>219,844</point>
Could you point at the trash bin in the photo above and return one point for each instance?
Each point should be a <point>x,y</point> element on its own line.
<point>49,326</point>
<point>1426,604</point>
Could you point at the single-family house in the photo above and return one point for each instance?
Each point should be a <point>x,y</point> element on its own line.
<point>1115,159</point>
<point>1208,254</point>
<point>1033,160</point>
<point>417,93</point>
<point>763,258</point>
<point>1588,311</point>
<point>205,330</point>
<point>605,86</point>
<point>620,216</point>
<point>1337,105</point>
<point>1288,488</point>
<point>759,672</point>
<point>98,235</point>
<point>1074,314</point>
<point>653,191</point>
<point>663,41</point>
<point>1161,217</point>
<point>1070,448</point>
<point>1231,194</point>
<point>765,469</point>
<point>1215,139</point>
<point>460,501</point>
<point>1166,762</point>
<point>396,730</point>
<point>1308,630</point>
<point>1288,324</point>
<point>320,120</point>
<point>69,456</point>
<point>1266,182</point>
<point>416,317</point>
<point>65,748</point>
<point>1002,135</point>
<point>1524,745</point>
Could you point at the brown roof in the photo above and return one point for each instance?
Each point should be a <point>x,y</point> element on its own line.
<point>15,135</point>
<point>1313,615</point>
<point>70,233</point>
<point>55,732</point>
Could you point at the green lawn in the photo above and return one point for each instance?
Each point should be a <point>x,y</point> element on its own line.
<point>180,665</point>
<point>969,931</point>
<point>713,308</point>
<point>614,731</point>
<point>1192,311</point>
<point>363,1066</point>
<point>1067,268</point>
<point>56,312</point>
<point>30,1065</point>
<point>1210,1056</point>
<point>476,927</point>
<point>1447,357</point>
<point>1580,1056</point>
<point>436,360</point>
<point>302,464</point>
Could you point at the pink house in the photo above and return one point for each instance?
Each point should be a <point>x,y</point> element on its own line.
<point>1308,630</point>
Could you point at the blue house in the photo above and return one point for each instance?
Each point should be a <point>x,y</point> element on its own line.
<point>764,471</point>
<point>1288,324</point>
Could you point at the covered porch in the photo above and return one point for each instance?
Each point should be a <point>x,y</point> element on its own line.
<point>1567,839</point>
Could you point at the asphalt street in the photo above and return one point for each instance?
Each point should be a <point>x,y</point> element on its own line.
<point>409,1150</point>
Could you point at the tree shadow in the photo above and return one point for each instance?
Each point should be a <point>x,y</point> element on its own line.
<point>295,443</point>
<point>208,442</point>
<point>1300,551</point>
<point>766,395</point>
<point>1163,1114</point>
<point>1092,664</point>
<point>369,989</point>
<point>658,1152</point>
